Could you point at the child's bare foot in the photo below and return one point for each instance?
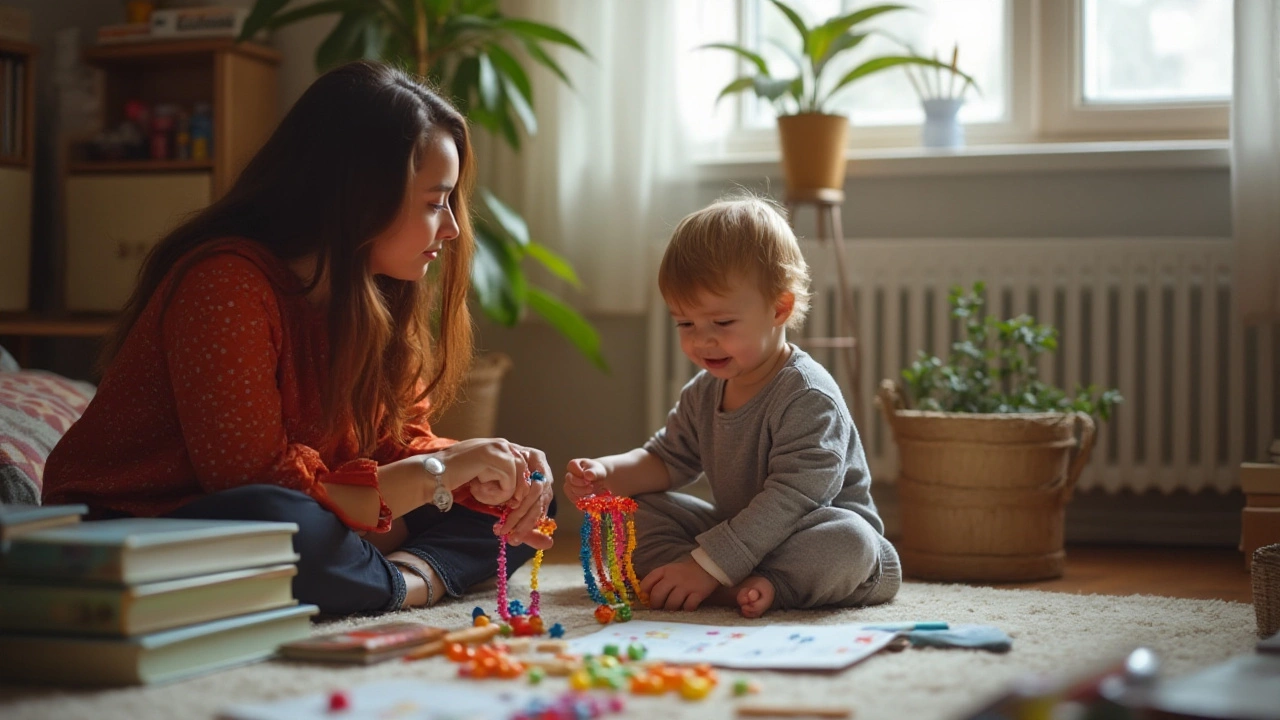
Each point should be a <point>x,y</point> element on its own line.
<point>755,596</point>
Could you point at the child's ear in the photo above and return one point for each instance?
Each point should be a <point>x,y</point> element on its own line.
<point>783,308</point>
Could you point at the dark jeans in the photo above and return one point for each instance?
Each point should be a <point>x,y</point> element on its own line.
<point>340,572</point>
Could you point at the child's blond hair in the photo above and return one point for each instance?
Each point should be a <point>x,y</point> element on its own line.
<point>744,237</point>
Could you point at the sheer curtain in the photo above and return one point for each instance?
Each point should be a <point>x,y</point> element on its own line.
<point>610,171</point>
<point>1255,159</point>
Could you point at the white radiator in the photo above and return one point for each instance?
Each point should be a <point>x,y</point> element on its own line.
<point>1151,316</point>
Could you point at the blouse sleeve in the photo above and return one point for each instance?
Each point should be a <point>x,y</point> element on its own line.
<point>222,338</point>
<point>420,440</point>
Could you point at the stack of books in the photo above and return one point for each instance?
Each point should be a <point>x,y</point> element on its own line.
<point>1260,519</point>
<point>178,24</point>
<point>145,600</point>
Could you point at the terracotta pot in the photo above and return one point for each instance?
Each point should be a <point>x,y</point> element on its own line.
<point>983,496</point>
<point>813,147</point>
<point>475,413</point>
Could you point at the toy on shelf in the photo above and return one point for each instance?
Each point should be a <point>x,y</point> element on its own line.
<point>608,539</point>
<point>516,620</point>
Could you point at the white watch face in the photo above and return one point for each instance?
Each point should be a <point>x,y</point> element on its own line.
<point>433,466</point>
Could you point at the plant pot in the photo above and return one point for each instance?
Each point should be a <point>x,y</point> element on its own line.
<point>475,413</point>
<point>983,497</point>
<point>813,151</point>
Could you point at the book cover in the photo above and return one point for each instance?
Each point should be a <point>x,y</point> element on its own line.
<point>18,520</point>
<point>198,22</point>
<point>154,658</point>
<point>71,608</point>
<point>139,550</point>
<point>364,645</point>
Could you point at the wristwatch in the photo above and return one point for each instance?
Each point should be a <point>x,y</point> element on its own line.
<point>442,498</point>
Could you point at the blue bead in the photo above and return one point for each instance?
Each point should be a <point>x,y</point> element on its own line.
<point>537,477</point>
<point>476,612</point>
<point>556,631</point>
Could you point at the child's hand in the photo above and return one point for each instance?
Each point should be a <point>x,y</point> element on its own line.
<point>678,586</point>
<point>583,478</point>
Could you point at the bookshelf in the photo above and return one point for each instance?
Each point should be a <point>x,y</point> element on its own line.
<point>116,208</point>
<point>17,150</point>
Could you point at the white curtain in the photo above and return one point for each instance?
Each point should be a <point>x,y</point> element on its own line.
<point>603,181</point>
<point>1255,159</point>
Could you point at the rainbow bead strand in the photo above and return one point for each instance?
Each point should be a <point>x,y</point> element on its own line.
<point>607,542</point>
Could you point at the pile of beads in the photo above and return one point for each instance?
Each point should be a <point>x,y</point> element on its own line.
<point>608,538</point>
<point>570,706</point>
<point>693,683</point>
<point>484,661</point>
<point>515,619</point>
<point>617,669</point>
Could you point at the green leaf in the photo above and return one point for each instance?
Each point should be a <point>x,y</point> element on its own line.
<point>344,44</point>
<point>507,65</point>
<point>457,24</point>
<point>542,58</point>
<point>489,90</point>
<point>570,324</point>
<point>755,58</point>
<point>558,266</point>
<point>879,64</point>
<point>531,29</point>
<point>520,105</point>
<point>324,7</point>
<point>796,22</point>
<point>465,78</point>
<point>508,220</point>
<point>496,277</point>
<point>737,86</point>
<point>821,37</point>
<point>259,16</point>
<point>771,88</point>
<point>848,41</point>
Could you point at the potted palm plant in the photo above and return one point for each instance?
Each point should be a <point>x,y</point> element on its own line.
<point>478,55</point>
<point>988,452</point>
<point>812,137</point>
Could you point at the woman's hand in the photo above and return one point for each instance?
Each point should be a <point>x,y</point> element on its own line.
<point>491,468</point>
<point>583,478</point>
<point>529,504</point>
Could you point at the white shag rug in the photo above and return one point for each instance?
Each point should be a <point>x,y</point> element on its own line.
<point>1055,633</point>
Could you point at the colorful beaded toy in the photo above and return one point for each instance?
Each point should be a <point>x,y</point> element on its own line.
<point>604,545</point>
<point>513,613</point>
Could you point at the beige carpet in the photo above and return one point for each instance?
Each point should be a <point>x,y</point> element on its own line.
<point>1053,633</point>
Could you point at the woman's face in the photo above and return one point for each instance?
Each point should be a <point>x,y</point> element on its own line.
<point>425,222</point>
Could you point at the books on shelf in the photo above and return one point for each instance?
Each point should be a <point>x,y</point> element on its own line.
<point>124,33</point>
<point>18,520</point>
<point>366,645</point>
<point>196,22</point>
<point>143,550</point>
<point>152,658</point>
<point>55,607</point>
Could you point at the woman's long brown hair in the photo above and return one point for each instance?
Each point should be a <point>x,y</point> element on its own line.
<point>331,178</point>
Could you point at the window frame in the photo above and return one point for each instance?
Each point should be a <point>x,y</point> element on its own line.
<point>1045,77</point>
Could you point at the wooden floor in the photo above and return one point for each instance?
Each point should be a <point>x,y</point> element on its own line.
<point>1200,573</point>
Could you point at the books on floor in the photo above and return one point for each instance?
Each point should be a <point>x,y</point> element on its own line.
<point>153,658</point>
<point>18,520</point>
<point>364,646</point>
<point>139,550</point>
<point>146,600</point>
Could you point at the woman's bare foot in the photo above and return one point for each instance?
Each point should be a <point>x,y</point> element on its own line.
<point>754,596</point>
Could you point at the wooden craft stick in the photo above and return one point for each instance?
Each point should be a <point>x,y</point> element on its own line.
<point>473,635</point>
<point>518,646</point>
<point>552,646</point>
<point>553,666</point>
<point>795,711</point>
<point>431,649</point>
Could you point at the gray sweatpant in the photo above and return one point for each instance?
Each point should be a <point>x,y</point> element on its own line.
<point>833,557</point>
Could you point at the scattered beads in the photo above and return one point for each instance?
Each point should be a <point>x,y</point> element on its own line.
<point>339,701</point>
<point>604,614</point>
<point>536,675</point>
<point>622,614</point>
<point>743,687</point>
<point>504,630</point>
<point>480,621</point>
<point>636,651</point>
<point>556,631</point>
<point>476,612</point>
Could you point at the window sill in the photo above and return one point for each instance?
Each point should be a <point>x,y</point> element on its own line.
<point>997,159</point>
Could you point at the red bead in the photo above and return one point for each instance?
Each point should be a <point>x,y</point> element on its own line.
<point>338,700</point>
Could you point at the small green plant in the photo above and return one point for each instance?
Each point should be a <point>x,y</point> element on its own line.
<point>804,91</point>
<point>992,369</point>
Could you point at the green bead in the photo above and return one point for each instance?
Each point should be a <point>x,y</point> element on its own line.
<point>636,651</point>
<point>741,687</point>
<point>504,630</point>
<point>536,675</point>
<point>611,649</point>
<point>623,613</point>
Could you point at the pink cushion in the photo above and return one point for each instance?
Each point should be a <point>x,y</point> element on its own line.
<point>36,408</point>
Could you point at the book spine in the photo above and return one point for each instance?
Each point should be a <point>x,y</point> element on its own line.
<point>198,22</point>
<point>48,609</point>
<point>75,562</point>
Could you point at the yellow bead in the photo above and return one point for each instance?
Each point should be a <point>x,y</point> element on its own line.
<point>580,680</point>
<point>608,661</point>
<point>694,687</point>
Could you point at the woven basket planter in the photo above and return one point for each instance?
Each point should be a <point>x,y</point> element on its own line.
<point>475,414</point>
<point>1266,589</point>
<point>983,496</point>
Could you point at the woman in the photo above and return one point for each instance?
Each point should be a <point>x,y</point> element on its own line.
<point>285,346</point>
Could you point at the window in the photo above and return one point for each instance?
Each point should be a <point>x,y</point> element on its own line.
<point>1047,69</point>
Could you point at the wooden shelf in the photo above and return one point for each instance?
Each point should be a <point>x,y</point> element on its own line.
<point>134,166</point>
<point>149,50</point>
<point>14,161</point>
<point>57,325</point>
<point>15,47</point>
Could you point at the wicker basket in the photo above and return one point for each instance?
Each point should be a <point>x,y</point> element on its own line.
<point>983,496</point>
<point>475,414</point>
<point>1266,589</point>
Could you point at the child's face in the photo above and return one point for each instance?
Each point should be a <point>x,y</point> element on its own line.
<point>425,221</point>
<point>735,336</point>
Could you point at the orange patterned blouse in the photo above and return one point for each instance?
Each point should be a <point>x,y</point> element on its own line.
<point>218,388</point>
